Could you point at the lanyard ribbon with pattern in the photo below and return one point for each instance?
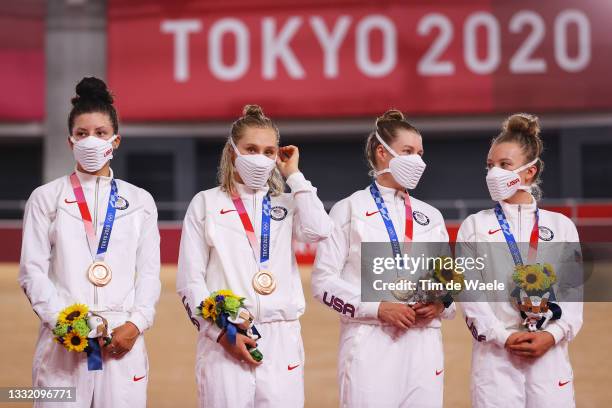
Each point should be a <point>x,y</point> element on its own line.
<point>109,220</point>
<point>384,213</point>
<point>512,245</point>
<point>264,255</point>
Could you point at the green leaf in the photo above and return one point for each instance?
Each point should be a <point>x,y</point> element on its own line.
<point>80,326</point>
<point>60,330</point>
<point>232,305</point>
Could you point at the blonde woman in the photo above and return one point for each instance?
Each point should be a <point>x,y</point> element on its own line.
<point>238,236</point>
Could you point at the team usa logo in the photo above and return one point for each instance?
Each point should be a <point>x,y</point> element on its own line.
<point>338,305</point>
<point>195,321</point>
<point>545,234</point>
<point>278,213</point>
<point>474,331</point>
<point>420,218</point>
<point>121,203</point>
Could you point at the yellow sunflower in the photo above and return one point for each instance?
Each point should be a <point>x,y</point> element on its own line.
<point>531,277</point>
<point>72,313</point>
<point>227,292</point>
<point>444,271</point>
<point>209,309</point>
<point>550,273</point>
<point>458,278</point>
<point>74,342</point>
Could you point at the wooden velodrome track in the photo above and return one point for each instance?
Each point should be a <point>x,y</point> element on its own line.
<point>171,347</point>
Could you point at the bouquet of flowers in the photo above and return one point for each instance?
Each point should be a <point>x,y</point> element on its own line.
<point>226,309</point>
<point>77,329</point>
<point>534,293</point>
<point>445,272</point>
<point>439,283</point>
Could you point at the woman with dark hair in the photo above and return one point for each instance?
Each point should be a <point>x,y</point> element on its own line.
<point>91,247</point>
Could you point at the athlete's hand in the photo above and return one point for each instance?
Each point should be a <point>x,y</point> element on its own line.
<point>514,338</point>
<point>428,311</point>
<point>532,344</point>
<point>397,314</point>
<point>239,350</point>
<point>123,339</point>
<point>287,160</point>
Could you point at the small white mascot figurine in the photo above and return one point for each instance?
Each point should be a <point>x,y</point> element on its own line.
<point>98,327</point>
<point>537,311</point>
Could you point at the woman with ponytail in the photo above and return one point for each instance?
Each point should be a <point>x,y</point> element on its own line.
<point>521,334</point>
<point>237,242</point>
<point>390,351</point>
<point>91,244</point>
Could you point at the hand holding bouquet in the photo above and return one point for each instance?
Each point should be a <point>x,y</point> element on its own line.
<point>227,311</point>
<point>78,329</point>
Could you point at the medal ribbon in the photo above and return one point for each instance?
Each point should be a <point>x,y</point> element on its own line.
<point>512,245</point>
<point>94,355</point>
<point>109,220</point>
<point>384,213</point>
<point>264,255</point>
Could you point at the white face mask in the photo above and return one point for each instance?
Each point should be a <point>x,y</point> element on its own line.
<point>405,169</point>
<point>504,183</point>
<point>92,152</point>
<point>254,169</point>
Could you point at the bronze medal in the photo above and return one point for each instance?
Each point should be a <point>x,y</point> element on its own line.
<point>99,273</point>
<point>263,282</point>
<point>402,295</point>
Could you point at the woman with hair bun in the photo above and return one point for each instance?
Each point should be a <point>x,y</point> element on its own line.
<point>237,243</point>
<point>91,244</point>
<point>520,348</point>
<point>391,352</point>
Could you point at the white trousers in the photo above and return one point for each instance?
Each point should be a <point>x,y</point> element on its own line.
<point>380,366</point>
<point>500,379</point>
<point>223,381</point>
<point>122,383</point>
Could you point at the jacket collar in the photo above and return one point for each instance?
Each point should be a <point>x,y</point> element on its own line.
<point>89,179</point>
<point>245,191</point>
<point>389,193</point>
<point>512,209</point>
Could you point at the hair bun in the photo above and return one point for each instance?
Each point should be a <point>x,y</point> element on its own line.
<point>92,89</point>
<point>390,115</point>
<point>523,123</point>
<point>254,111</point>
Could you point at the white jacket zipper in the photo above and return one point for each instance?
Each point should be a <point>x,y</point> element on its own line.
<point>96,231</point>
<point>520,229</point>
<point>257,266</point>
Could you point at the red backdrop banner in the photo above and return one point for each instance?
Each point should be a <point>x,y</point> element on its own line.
<point>22,66</point>
<point>188,60</point>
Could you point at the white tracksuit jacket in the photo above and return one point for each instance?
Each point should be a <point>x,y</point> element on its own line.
<point>53,274</point>
<point>500,379</point>
<point>215,254</point>
<point>378,365</point>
